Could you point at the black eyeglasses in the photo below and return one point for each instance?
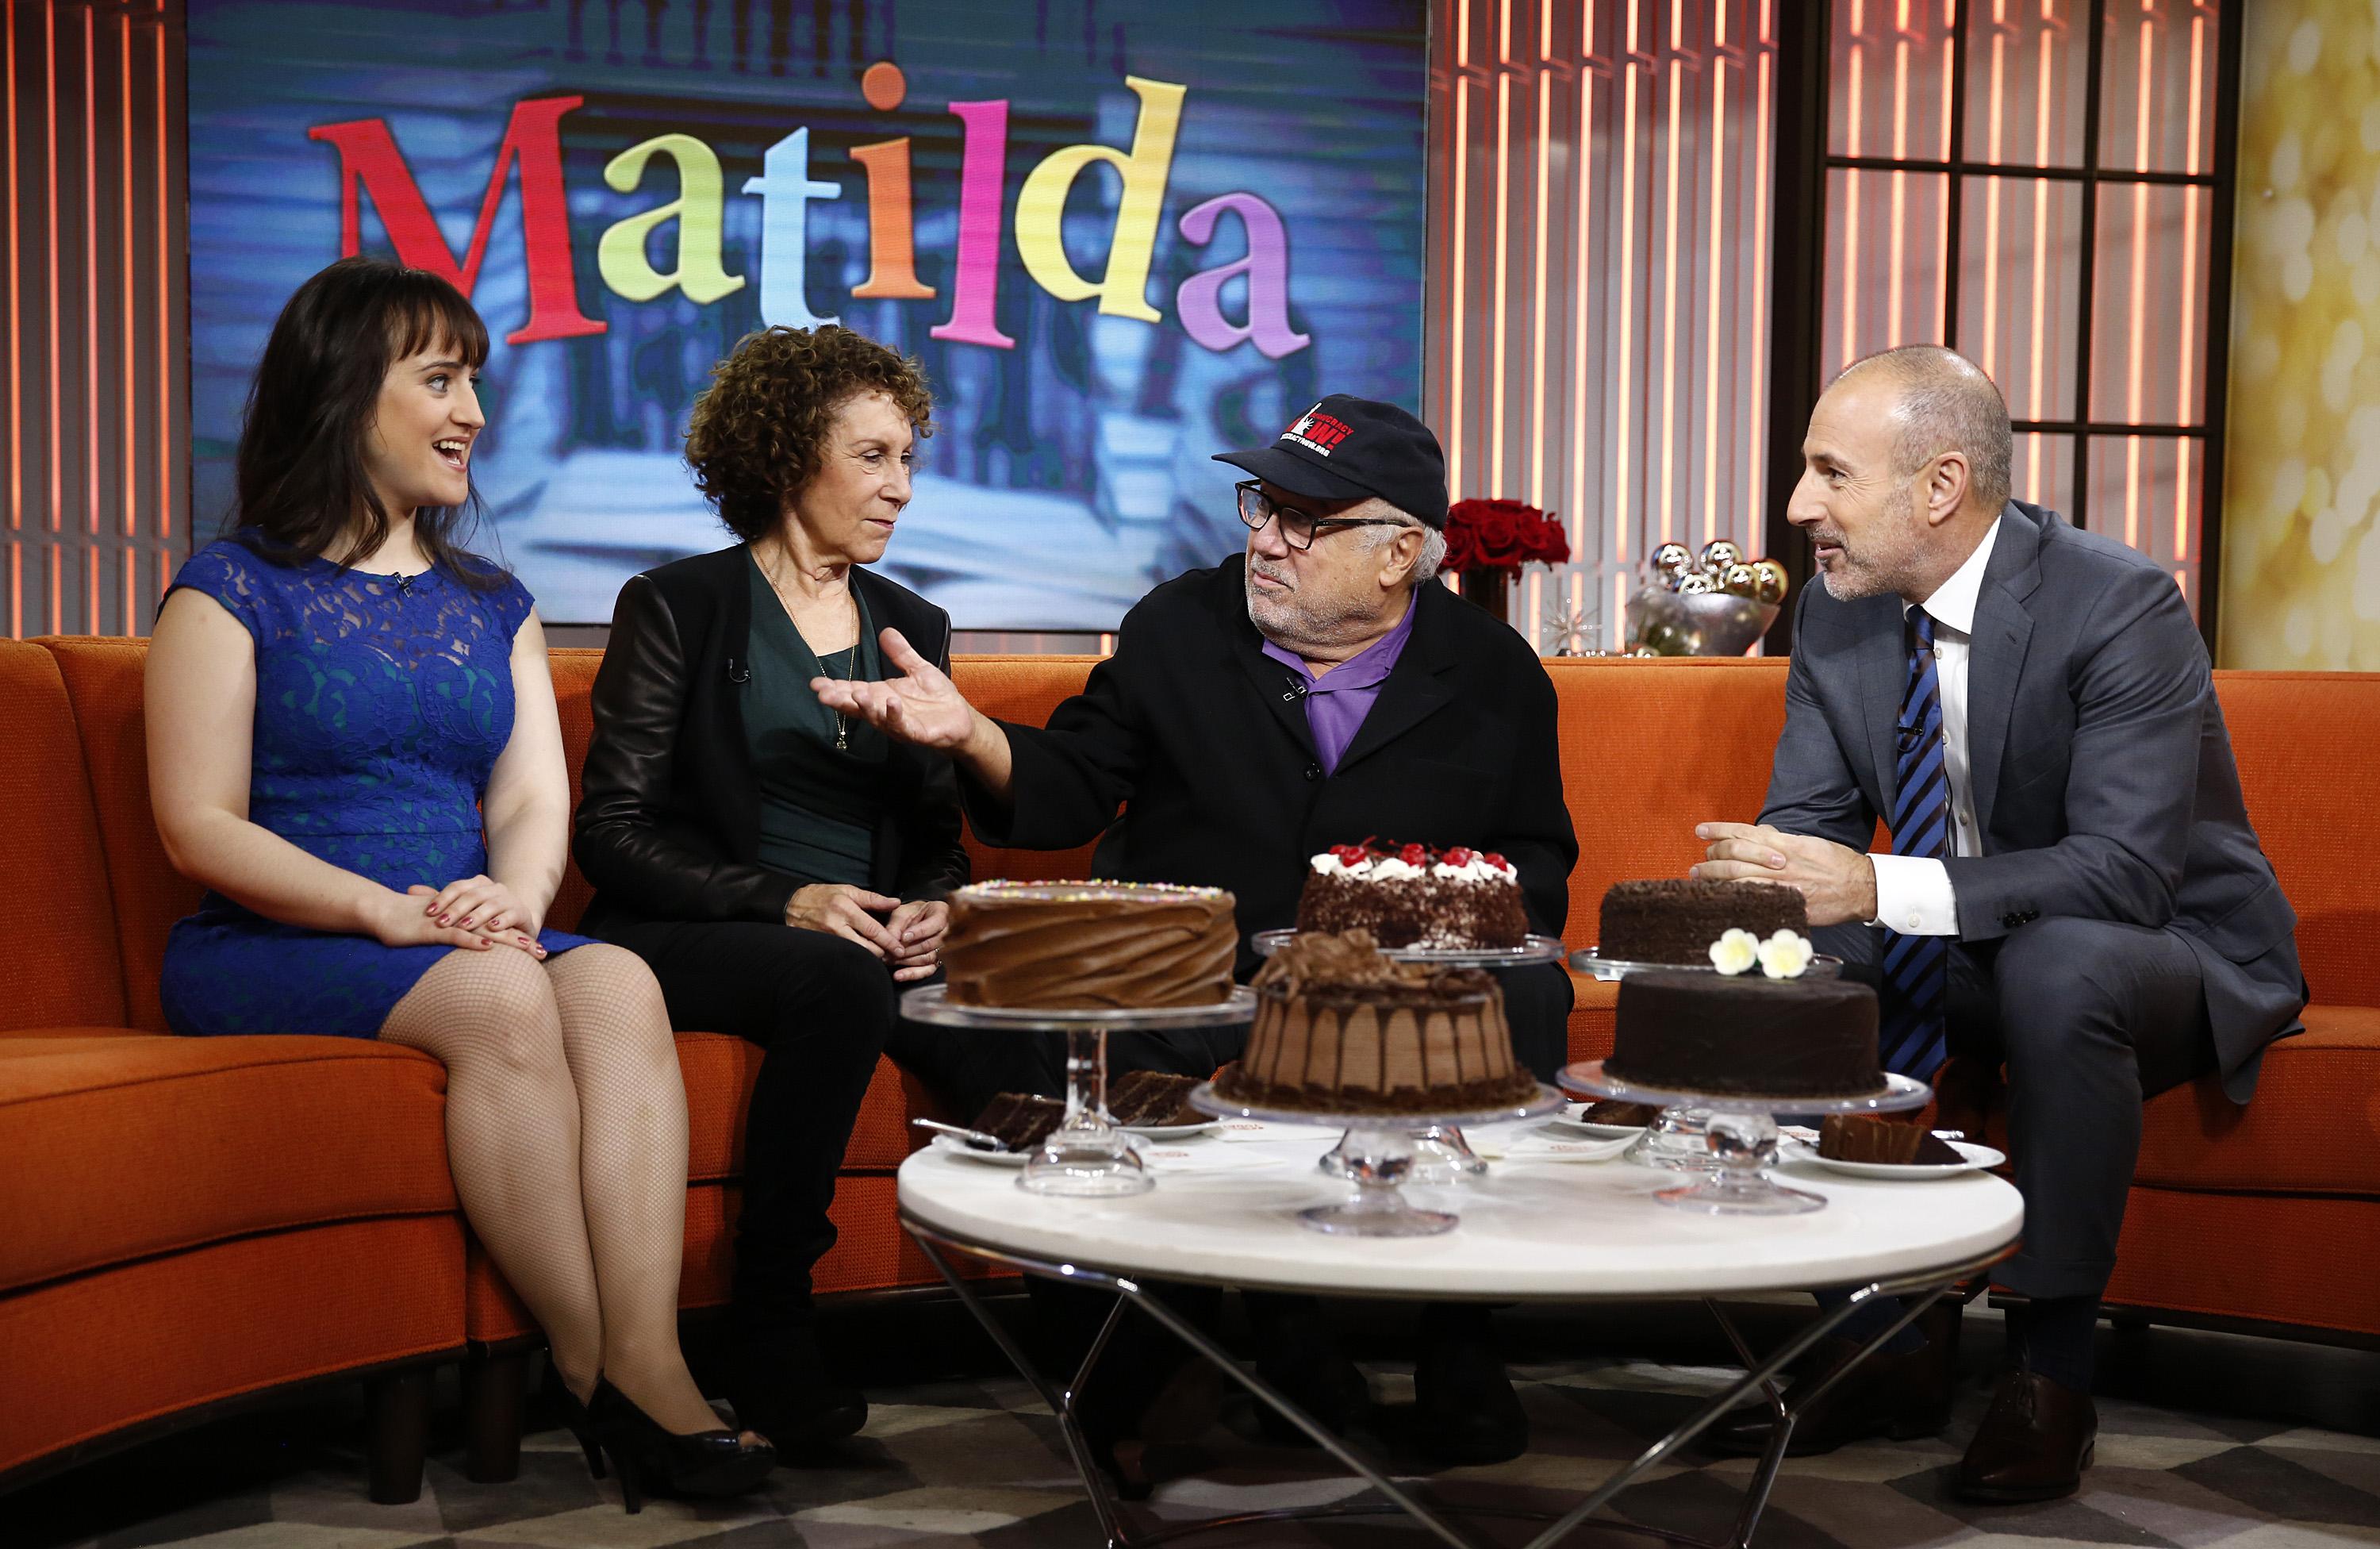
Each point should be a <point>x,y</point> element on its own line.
<point>1298,529</point>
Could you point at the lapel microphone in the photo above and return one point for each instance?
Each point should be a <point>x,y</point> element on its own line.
<point>738,672</point>
<point>1296,690</point>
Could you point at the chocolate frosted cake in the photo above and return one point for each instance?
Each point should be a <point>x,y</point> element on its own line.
<point>1415,897</point>
<point>1340,1029</point>
<point>1675,921</point>
<point>1065,946</point>
<point>1746,1037</point>
<point>1020,1119</point>
<point>1865,1138</point>
<point>1152,1097</point>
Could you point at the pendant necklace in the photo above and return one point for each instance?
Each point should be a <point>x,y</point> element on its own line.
<point>842,721</point>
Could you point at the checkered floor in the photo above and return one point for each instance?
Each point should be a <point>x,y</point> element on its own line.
<point>2205,1440</point>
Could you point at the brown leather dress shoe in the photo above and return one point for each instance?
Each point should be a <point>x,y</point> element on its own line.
<point>2034,1444</point>
<point>1901,1397</point>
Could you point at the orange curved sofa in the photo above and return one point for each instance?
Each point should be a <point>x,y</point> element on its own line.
<point>187,1225</point>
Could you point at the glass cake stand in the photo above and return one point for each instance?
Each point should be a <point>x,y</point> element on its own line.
<point>1379,1149</point>
<point>1741,1135</point>
<point>1532,950</point>
<point>1440,1153</point>
<point>1677,1139</point>
<point>1087,1155</point>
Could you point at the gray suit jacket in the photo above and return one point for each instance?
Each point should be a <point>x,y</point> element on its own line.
<point>2103,783</point>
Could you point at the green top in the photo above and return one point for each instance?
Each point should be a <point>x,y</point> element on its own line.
<point>820,804</point>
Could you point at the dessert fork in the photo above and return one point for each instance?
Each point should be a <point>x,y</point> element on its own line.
<point>973,1138</point>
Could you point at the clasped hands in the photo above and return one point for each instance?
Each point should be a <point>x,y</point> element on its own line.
<point>906,939</point>
<point>477,912</point>
<point>1838,884</point>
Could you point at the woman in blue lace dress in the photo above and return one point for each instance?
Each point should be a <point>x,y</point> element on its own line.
<point>353,744</point>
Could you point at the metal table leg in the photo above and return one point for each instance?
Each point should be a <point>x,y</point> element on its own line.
<point>1760,1377</point>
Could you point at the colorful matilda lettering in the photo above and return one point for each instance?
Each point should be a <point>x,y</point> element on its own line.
<point>371,164</point>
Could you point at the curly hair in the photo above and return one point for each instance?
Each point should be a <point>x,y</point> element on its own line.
<point>759,429</point>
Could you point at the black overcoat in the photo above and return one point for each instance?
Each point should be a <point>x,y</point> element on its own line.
<point>1200,736</point>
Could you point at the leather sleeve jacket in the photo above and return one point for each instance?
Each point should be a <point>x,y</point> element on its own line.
<point>668,825</point>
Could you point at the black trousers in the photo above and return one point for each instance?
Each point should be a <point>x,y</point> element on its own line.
<point>2091,1018</point>
<point>823,1008</point>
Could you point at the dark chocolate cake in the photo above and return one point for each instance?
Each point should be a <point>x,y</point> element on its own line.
<point>1152,1097</point>
<point>1021,1120</point>
<point>1746,1036</point>
<point>1675,919</point>
<point>1867,1138</point>
<point>1633,1115</point>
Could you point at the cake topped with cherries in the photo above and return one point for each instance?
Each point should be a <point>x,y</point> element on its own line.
<point>1414,895</point>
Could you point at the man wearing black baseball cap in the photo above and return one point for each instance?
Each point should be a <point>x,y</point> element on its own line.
<point>1314,691</point>
<point>1346,448</point>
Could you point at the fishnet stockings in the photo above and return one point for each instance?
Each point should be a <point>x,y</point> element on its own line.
<point>566,1133</point>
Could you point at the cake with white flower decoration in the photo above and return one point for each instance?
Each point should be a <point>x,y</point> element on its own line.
<point>1674,918</point>
<point>1760,1026</point>
<point>1413,896</point>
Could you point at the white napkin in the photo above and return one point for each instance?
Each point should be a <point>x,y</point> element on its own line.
<point>1542,1144</point>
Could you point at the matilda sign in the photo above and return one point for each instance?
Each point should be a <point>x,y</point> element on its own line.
<point>1119,239</point>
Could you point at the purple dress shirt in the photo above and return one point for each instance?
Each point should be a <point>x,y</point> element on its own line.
<point>1337,702</point>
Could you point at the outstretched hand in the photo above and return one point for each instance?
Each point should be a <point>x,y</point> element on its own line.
<point>922,705</point>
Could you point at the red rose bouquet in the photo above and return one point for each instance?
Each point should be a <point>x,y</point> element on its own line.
<point>1502,535</point>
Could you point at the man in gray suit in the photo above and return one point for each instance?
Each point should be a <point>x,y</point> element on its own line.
<point>2073,891</point>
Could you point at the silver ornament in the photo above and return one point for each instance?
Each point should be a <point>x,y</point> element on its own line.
<point>1773,580</point>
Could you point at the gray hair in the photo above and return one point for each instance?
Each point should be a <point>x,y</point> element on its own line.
<point>1946,404</point>
<point>1433,543</point>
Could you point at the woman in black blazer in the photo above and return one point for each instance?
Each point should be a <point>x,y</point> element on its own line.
<point>782,868</point>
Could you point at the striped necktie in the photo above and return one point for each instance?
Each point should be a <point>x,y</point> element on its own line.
<point>1916,968</point>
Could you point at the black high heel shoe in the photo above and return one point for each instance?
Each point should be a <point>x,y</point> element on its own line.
<point>705,1463</point>
<point>580,1421</point>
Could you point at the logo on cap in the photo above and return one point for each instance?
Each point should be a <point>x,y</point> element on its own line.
<point>1318,432</point>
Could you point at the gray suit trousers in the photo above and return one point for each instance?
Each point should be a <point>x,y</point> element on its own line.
<point>2091,1018</point>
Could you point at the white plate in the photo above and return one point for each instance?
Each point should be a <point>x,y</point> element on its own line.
<point>1595,1132</point>
<point>1173,1131</point>
<point>1569,1123</point>
<point>952,1145</point>
<point>1975,1156</point>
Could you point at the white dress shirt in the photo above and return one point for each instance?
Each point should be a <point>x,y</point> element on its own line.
<point>1913,892</point>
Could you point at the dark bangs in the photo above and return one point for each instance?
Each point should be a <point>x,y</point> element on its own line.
<point>425,312</point>
<point>304,491</point>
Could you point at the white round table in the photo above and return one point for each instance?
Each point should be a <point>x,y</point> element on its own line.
<point>1225,1212</point>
